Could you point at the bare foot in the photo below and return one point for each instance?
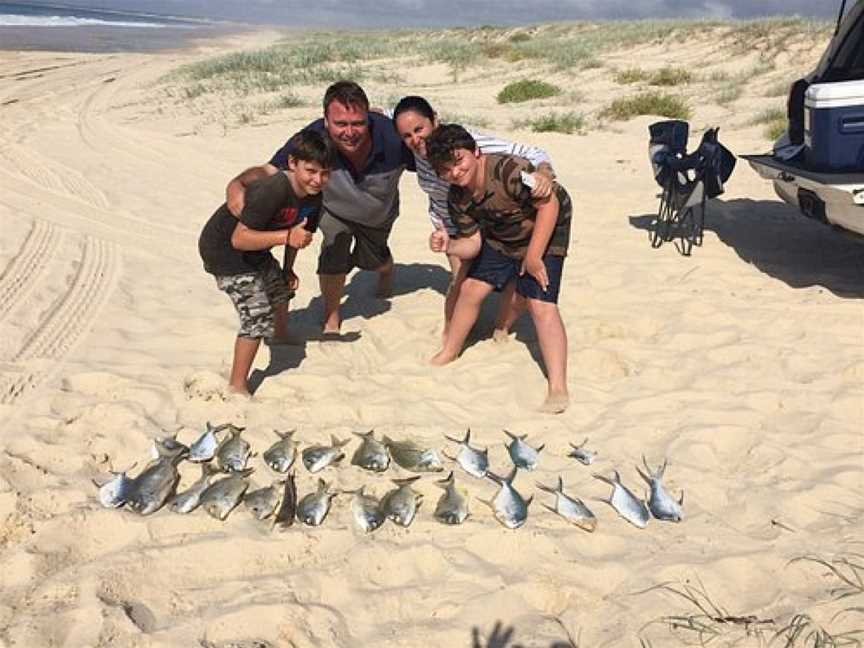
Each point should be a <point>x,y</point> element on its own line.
<point>441,358</point>
<point>385,285</point>
<point>234,390</point>
<point>555,403</point>
<point>332,325</point>
<point>501,336</point>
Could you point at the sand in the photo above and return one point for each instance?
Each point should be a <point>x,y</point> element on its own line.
<point>742,364</point>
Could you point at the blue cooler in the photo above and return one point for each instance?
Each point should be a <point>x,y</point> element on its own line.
<point>834,126</point>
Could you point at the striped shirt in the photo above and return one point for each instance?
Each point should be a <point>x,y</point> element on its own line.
<point>437,189</point>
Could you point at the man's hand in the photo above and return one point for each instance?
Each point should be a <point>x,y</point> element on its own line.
<point>292,280</point>
<point>235,197</point>
<point>299,237</point>
<point>537,269</point>
<point>542,186</point>
<point>439,239</point>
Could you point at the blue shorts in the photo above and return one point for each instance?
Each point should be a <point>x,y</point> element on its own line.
<point>497,269</point>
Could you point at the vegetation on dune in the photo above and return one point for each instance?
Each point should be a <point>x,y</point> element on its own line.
<point>631,75</point>
<point>647,103</point>
<point>527,89</point>
<point>670,76</point>
<point>774,120</point>
<point>552,122</point>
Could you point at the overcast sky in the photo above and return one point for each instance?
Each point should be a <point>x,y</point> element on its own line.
<point>388,13</point>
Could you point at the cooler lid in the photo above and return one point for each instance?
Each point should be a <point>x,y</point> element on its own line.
<point>835,95</point>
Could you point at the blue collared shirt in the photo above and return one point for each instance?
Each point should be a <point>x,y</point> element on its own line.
<point>371,195</point>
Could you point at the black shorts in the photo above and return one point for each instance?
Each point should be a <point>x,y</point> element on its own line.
<point>350,245</point>
<point>497,269</point>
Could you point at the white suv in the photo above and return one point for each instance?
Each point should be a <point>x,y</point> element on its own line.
<point>818,164</point>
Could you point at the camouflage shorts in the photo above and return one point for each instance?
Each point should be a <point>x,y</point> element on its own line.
<point>254,295</point>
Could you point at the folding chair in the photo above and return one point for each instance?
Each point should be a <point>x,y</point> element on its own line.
<point>686,180</point>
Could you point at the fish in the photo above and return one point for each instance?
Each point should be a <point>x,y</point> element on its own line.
<point>472,460</point>
<point>318,457</point>
<point>581,454</point>
<point>367,511</point>
<point>288,506</point>
<point>167,445</point>
<point>281,455</point>
<point>571,509</point>
<point>262,502</point>
<point>401,503</point>
<point>204,448</point>
<point>522,454</point>
<point>222,496</point>
<point>661,504</point>
<point>372,454</point>
<point>314,507</point>
<point>157,482</point>
<point>452,507</point>
<point>114,492</point>
<point>188,500</point>
<point>413,457</point>
<point>509,507</point>
<point>628,506</point>
<point>234,452</point>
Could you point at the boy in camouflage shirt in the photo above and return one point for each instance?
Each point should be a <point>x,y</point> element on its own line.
<point>282,209</point>
<point>511,237</point>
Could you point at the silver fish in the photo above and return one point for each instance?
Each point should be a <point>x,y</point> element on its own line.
<point>167,445</point>
<point>628,506</point>
<point>314,507</point>
<point>367,511</point>
<point>233,452</point>
<point>221,497</point>
<point>372,454</point>
<point>288,506</point>
<point>522,454</point>
<point>509,507</point>
<point>157,482</point>
<point>188,500</point>
<point>281,455</point>
<point>204,448</point>
<point>473,460</point>
<point>661,504</point>
<point>401,503</point>
<point>452,507</point>
<point>262,503</point>
<point>114,492</point>
<point>318,457</point>
<point>571,509</point>
<point>413,457</point>
<point>581,453</point>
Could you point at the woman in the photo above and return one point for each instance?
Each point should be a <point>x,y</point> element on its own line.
<point>415,120</point>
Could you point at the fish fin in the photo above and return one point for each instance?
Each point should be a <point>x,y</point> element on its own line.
<point>540,448</point>
<point>514,436</point>
<point>467,438</point>
<point>406,480</point>
<point>616,476</point>
<point>444,483</point>
<point>560,484</point>
<point>528,501</point>
<point>512,475</point>
<point>364,435</point>
<point>208,469</point>
<point>336,443</point>
<point>208,427</point>
<point>549,508</point>
<point>643,475</point>
<point>681,499</point>
<point>495,478</point>
<point>603,478</point>
<point>447,456</point>
<point>544,488</point>
<point>286,435</point>
<point>582,445</point>
<point>662,469</point>
<point>487,503</point>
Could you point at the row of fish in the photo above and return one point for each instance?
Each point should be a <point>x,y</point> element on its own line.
<point>156,484</point>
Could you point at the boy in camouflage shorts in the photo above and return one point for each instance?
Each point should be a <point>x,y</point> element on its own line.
<point>282,209</point>
<point>509,236</point>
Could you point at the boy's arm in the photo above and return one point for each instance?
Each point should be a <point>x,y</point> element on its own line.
<point>291,277</point>
<point>235,192</point>
<point>544,227</point>
<point>248,240</point>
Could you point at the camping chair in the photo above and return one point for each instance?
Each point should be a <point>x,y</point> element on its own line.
<point>687,181</point>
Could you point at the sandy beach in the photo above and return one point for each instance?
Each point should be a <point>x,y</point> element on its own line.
<point>742,364</point>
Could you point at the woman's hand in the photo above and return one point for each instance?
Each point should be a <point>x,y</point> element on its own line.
<point>439,239</point>
<point>542,186</point>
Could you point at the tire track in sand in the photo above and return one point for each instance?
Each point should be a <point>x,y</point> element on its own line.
<point>22,274</point>
<point>41,354</point>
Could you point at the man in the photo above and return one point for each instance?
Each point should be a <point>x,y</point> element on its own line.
<point>361,200</point>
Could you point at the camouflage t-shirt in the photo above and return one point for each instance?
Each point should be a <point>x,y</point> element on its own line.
<point>505,215</point>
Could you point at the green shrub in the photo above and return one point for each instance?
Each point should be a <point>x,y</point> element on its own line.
<point>568,122</point>
<point>630,75</point>
<point>729,92</point>
<point>519,37</point>
<point>648,103</point>
<point>670,76</point>
<point>527,89</point>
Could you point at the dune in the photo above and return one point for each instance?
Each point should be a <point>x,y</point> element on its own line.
<point>742,364</point>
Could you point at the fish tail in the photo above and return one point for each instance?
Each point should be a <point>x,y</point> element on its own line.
<point>447,481</point>
<point>405,481</point>
<point>647,478</point>
<point>546,489</point>
<point>606,479</point>
<point>513,436</point>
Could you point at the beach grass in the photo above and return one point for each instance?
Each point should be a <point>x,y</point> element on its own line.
<point>526,90</point>
<point>631,75</point>
<point>553,122</point>
<point>774,121</point>
<point>647,103</point>
<point>670,76</point>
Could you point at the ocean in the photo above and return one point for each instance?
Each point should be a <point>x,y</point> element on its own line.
<point>25,26</point>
